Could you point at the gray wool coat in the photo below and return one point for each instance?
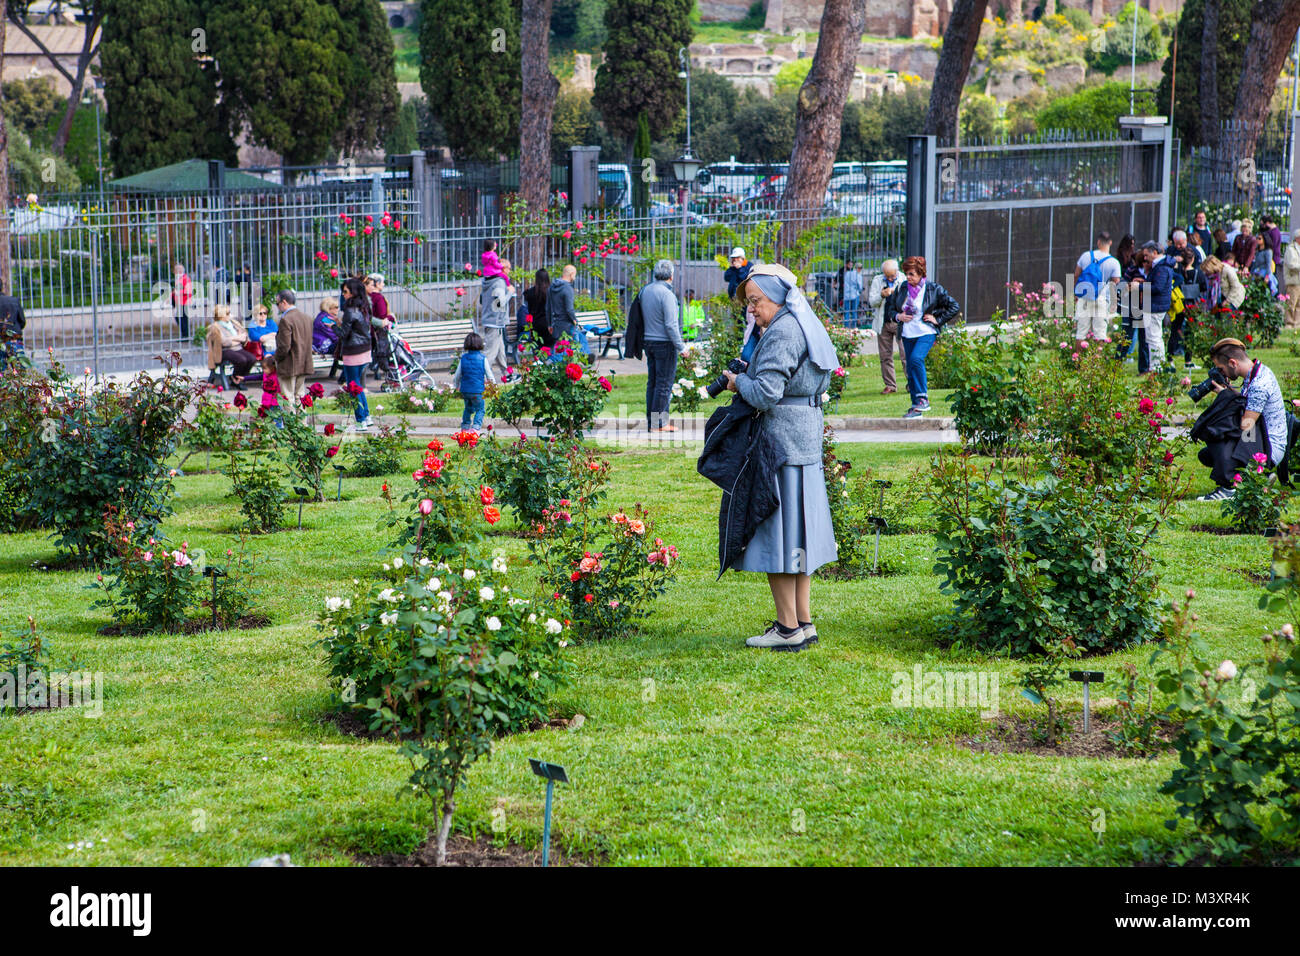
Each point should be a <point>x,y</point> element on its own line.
<point>779,368</point>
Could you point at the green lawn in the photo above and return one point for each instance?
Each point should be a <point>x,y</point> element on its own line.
<point>213,748</point>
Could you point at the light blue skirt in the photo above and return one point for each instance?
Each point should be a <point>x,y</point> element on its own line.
<point>798,538</point>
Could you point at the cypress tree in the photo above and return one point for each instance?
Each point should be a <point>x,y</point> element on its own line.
<point>470,71</point>
<point>159,86</point>
<point>639,74</point>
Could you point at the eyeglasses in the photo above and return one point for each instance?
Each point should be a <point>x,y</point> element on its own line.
<point>752,302</point>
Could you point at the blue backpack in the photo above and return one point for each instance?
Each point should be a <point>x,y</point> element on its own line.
<point>1090,278</point>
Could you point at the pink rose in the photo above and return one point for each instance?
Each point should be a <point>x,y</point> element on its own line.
<point>426,506</point>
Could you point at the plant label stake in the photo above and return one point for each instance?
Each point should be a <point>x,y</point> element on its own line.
<point>340,469</point>
<point>882,485</point>
<point>1087,677</point>
<point>214,573</point>
<point>550,772</point>
<point>879,524</point>
<point>302,494</point>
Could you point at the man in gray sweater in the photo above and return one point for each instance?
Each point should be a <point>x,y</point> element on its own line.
<point>663,343</point>
<point>560,315</point>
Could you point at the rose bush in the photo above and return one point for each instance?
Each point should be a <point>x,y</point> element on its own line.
<point>558,391</point>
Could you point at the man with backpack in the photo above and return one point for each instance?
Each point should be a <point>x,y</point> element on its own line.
<point>1095,277</point>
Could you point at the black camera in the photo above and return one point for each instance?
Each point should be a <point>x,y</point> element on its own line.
<point>1198,392</point>
<point>719,384</point>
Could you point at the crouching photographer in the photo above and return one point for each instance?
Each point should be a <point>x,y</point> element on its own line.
<point>1239,424</point>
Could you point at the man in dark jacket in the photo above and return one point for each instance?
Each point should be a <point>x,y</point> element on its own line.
<point>560,314</point>
<point>1150,296</point>
<point>738,272</point>
<point>12,323</point>
<point>740,457</point>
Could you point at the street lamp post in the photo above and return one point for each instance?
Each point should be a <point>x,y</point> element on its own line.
<point>94,232</point>
<point>685,169</point>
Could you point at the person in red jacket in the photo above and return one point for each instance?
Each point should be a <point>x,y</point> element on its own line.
<point>182,293</point>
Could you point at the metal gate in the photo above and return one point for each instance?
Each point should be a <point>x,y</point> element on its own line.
<point>985,216</point>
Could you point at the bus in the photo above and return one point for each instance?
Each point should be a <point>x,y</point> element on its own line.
<point>735,179</point>
<point>615,185</point>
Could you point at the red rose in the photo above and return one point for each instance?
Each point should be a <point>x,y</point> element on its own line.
<point>573,371</point>
<point>604,383</point>
<point>588,598</point>
<point>331,451</point>
<point>435,445</point>
<point>486,495</point>
<point>329,429</point>
<point>240,400</point>
<point>316,389</point>
<point>306,401</point>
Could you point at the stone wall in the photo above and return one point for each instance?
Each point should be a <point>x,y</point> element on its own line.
<point>724,11</point>
<point>885,18</point>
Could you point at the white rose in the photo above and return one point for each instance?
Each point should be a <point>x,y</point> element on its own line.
<point>535,675</point>
<point>499,565</point>
<point>532,619</point>
<point>332,604</point>
<point>553,626</point>
<point>388,619</point>
<point>1227,671</point>
<point>486,594</point>
<point>677,391</point>
<point>388,594</point>
<point>700,372</point>
<point>704,392</point>
<point>398,562</point>
<point>826,397</point>
<point>433,585</point>
<point>424,562</point>
<point>469,574</point>
<point>494,624</point>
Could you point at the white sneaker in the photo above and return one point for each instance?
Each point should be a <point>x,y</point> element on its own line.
<point>810,633</point>
<point>1218,494</point>
<point>773,640</point>
<point>364,426</point>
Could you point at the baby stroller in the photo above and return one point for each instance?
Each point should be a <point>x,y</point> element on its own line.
<point>406,365</point>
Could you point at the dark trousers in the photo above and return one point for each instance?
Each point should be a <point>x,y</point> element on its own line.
<point>661,362</point>
<point>183,320</point>
<point>239,360</point>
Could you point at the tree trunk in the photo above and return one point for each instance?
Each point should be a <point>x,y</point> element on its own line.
<point>4,173</point>
<point>539,89</point>
<point>444,828</point>
<point>954,65</point>
<point>1273,25</point>
<point>89,47</point>
<point>820,109</point>
<point>1208,91</point>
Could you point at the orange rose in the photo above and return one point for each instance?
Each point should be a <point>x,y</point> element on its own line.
<point>637,527</point>
<point>588,565</point>
<point>492,514</point>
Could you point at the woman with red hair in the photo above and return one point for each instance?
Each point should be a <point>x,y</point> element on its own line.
<point>919,308</point>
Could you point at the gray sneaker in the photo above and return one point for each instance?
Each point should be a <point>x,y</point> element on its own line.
<point>914,413</point>
<point>773,640</point>
<point>809,633</point>
<point>1218,494</point>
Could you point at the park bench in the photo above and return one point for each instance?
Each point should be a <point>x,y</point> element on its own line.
<point>597,323</point>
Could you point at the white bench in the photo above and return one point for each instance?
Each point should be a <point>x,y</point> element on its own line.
<point>597,323</point>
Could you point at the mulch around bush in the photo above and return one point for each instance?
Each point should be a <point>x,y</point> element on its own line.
<point>1013,734</point>
<point>463,851</point>
<point>197,625</point>
<point>354,724</point>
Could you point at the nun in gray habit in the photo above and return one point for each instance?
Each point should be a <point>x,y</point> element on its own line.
<point>786,378</point>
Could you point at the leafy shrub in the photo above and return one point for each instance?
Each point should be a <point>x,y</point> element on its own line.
<point>1043,673</point>
<point>28,652</point>
<point>428,401</point>
<point>1043,313</point>
<point>605,588</point>
<point>380,453</point>
<point>938,361</point>
<point>1033,561</point>
<point>445,659</point>
<point>1256,505</point>
<point>446,504</point>
<point>262,498</point>
<point>1257,323</point>
<point>1237,778</point>
<point>528,474</point>
<point>991,401</point>
<point>211,430</point>
<point>693,376</point>
<point>73,450</point>
<point>563,396</point>
<point>305,451</point>
<point>147,587</point>
<point>1086,415</point>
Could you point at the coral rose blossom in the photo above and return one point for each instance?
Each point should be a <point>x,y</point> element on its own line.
<point>589,565</point>
<point>486,495</point>
<point>636,527</point>
<point>492,514</point>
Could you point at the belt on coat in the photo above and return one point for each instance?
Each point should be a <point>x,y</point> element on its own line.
<point>813,401</point>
